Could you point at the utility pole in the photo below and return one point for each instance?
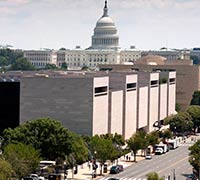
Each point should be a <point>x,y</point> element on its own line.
<point>174,173</point>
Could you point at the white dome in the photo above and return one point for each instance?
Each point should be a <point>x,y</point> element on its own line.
<point>105,33</point>
<point>105,21</point>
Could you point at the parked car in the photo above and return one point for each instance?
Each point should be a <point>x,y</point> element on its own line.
<point>113,179</point>
<point>148,156</point>
<point>121,168</point>
<point>114,170</point>
<point>191,177</point>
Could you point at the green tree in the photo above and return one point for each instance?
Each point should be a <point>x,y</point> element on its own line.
<point>195,98</point>
<point>3,61</point>
<point>153,138</point>
<point>153,176</point>
<point>79,149</point>
<point>196,59</point>
<point>5,170</point>
<point>165,134</point>
<point>118,141</point>
<point>47,135</point>
<point>194,112</point>
<point>24,159</point>
<point>178,107</point>
<point>64,65</point>
<point>136,142</point>
<point>51,66</point>
<point>194,157</point>
<point>180,123</point>
<point>102,149</point>
<point>22,64</point>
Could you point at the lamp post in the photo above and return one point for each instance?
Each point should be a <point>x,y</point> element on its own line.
<point>65,170</point>
<point>174,174</point>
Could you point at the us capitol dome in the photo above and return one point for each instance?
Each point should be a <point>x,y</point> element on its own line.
<point>105,33</point>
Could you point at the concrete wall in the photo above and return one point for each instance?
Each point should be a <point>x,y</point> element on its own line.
<point>130,123</point>
<point>163,101</point>
<point>153,100</point>
<point>116,112</point>
<point>67,100</point>
<point>143,107</point>
<point>172,93</point>
<point>100,107</point>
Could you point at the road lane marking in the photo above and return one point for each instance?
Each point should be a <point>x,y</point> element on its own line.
<point>172,165</point>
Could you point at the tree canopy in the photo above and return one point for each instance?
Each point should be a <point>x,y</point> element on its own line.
<point>47,135</point>
<point>24,159</point>
<point>153,176</point>
<point>5,170</point>
<point>194,112</point>
<point>22,64</point>
<point>194,158</point>
<point>180,123</point>
<point>195,98</point>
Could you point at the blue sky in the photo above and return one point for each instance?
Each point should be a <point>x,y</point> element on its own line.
<point>147,24</point>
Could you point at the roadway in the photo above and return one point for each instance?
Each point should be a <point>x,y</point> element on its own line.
<point>173,163</point>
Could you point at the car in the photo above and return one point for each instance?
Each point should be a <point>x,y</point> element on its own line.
<point>148,156</point>
<point>121,168</point>
<point>113,179</point>
<point>114,170</point>
<point>191,177</point>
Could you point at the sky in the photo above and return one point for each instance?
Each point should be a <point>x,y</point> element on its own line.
<point>146,24</point>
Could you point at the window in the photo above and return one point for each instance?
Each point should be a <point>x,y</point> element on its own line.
<point>172,81</point>
<point>131,86</point>
<point>154,83</point>
<point>100,91</point>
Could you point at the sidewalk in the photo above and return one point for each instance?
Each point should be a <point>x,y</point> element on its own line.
<point>84,173</point>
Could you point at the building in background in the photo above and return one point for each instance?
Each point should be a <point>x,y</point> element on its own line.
<point>92,103</point>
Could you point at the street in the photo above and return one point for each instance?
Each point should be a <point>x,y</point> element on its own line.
<point>173,165</point>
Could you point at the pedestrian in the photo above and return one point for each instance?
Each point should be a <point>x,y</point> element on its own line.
<point>89,165</point>
<point>129,158</point>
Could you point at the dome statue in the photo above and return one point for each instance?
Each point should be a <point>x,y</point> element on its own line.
<point>105,33</point>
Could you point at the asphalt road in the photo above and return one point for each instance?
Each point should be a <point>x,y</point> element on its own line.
<point>173,163</point>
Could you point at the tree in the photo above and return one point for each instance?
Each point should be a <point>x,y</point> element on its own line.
<point>178,107</point>
<point>102,149</point>
<point>194,112</point>
<point>136,142</point>
<point>79,149</point>
<point>5,170</point>
<point>3,61</point>
<point>153,176</point>
<point>117,141</point>
<point>194,158</point>
<point>22,64</point>
<point>180,123</point>
<point>196,59</point>
<point>195,98</point>
<point>47,135</point>
<point>51,66</point>
<point>153,138</point>
<point>24,159</point>
<point>64,65</point>
<point>165,134</point>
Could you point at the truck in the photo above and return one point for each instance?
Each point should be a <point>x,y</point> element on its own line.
<point>173,143</point>
<point>161,149</point>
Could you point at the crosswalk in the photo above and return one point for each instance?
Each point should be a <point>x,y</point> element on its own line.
<point>123,178</point>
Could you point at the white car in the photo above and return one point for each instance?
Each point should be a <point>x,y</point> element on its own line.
<point>148,156</point>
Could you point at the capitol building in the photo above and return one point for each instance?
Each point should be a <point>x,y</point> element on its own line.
<point>104,49</point>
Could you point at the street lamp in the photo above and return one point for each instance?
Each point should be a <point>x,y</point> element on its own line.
<point>174,174</point>
<point>65,170</point>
